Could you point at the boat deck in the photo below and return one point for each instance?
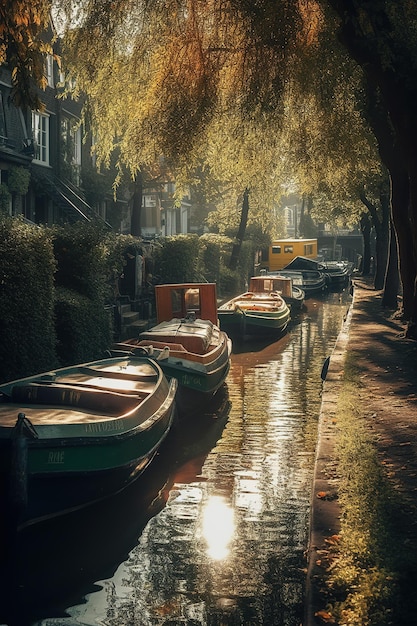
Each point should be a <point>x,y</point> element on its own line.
<point>255,302</point>
<point>83,395</point>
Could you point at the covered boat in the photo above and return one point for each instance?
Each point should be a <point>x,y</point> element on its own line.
<point>255,314</point>
<point>187,341</point>
<point>75,435</point>
<point>337,273</point>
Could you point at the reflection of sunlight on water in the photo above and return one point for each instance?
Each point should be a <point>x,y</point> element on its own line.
<point>207,559</point>
<point>248,494</point>
<point>218,527</point>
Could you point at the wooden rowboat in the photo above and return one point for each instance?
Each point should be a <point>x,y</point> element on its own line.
<point>76,435</point>
<point>255,313</point>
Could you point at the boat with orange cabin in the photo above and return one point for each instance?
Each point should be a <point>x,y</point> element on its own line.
<point>187,341</point>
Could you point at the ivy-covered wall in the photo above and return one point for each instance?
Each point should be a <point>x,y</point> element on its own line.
<point>54,288</point>
<point>176,259</point>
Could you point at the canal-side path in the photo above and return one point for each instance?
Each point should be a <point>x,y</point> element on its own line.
<point>388,394</point>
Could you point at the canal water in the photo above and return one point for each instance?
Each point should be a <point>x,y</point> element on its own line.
<point>214,533</point>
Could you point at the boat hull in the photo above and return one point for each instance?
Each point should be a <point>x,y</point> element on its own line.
<point>337,273</point>
<point>254,314</point>
<point>193,351</point>
<point>205,382</point>
<point>310,281</point>
<point>296,300</point>
<point>250,324</point>
<point>57,458</point>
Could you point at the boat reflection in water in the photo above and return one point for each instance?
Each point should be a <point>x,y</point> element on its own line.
<point>51,565</point>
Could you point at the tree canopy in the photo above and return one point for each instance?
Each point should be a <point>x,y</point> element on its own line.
<point>23,45</point>
<point>256,92</point>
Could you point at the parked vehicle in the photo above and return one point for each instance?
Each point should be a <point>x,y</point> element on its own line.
<point>282,251</point>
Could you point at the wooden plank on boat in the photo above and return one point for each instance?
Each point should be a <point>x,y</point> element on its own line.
<point>122,374</point>
<point>87,399</point>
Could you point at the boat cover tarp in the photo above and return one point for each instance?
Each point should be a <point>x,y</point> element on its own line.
<point>194,336</point>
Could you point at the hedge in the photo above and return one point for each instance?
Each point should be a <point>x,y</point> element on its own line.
<point>27,324</point>
<point>57,287</point>
<point>84,327</point>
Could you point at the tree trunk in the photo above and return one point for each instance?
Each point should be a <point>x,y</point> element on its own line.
<point>412,161</point>
<point>396,96</point>
<point>137,199</point>
<point>381,225</point>
<point>365,225</point>
<point>392,278</point>
<point>299,228</point>
<point>400,198</point>
<point>383,242</point>
<point>234,258</point>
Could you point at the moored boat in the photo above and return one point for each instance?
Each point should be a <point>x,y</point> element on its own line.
<point>75,435</point>
<point>337,273</point>
<point>275,283</point>
<point>186,341</point>
<point>310,281</point>
<point>255,314</point>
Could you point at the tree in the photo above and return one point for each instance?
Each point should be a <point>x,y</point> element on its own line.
<point>365,224</point>
<point>165,63</point>
<point>23,46</point>
<point>180,78</point>
<point>241,232</point>
<point>382,38</point>
<point>381,223</point>
<point>392,283</point>
<point>250,124</point>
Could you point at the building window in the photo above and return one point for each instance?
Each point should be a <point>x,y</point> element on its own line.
<point>49,70</point>
<point>169,188</point>
<point>264,255</point>
<point>276,249</point>
<point>308,249</point>
<point>71,149</point>
<point>288,249</point>
<point>40,129</point>
<point>76,136</point>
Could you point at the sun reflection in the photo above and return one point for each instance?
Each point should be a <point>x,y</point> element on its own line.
<point>218,527</point>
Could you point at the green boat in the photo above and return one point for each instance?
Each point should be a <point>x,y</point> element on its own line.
<point>254,314</point>
<point>75,435</point>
